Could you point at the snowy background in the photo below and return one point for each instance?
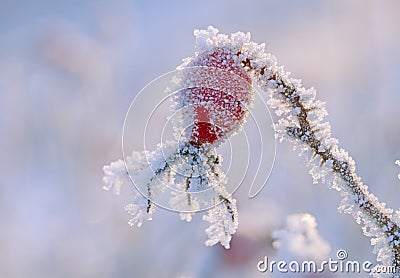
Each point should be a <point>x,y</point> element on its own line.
<point>68,72</point>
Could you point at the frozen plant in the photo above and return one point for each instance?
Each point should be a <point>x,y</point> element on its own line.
<point>300,239</point>
<point>187,171</point>
<point>300,120</point>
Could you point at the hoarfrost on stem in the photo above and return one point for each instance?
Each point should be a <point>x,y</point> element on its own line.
<point>139,210</point>
<point>185,168</point>
<point>116,174</point>
<point>224,221</point>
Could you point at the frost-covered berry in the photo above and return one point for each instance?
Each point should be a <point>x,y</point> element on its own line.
<point>218,96</point>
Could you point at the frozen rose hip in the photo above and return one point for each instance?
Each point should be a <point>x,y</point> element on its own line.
<point>220,98</point>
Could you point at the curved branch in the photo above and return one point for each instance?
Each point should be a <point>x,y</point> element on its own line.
<point>298,107</point>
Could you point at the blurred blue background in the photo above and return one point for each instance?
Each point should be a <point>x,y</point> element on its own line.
<point>68,72</point>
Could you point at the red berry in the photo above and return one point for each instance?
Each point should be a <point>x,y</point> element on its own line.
<point>221,109</point>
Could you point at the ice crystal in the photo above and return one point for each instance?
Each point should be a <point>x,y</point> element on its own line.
<point>116,174</point>
<point>218,95</point>
<point>140,210</point>
<point>224,221</point>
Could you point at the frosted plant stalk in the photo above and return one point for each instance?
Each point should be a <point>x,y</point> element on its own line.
<point>301,121</point>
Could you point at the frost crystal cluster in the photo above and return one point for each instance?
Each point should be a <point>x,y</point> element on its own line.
<point>187,170</point>
<point>300,239</point>
<point>215,105</point>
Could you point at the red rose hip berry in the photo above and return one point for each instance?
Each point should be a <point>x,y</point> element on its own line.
<point>220,96</point>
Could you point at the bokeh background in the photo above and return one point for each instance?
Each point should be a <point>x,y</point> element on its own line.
<point>68,72</point>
